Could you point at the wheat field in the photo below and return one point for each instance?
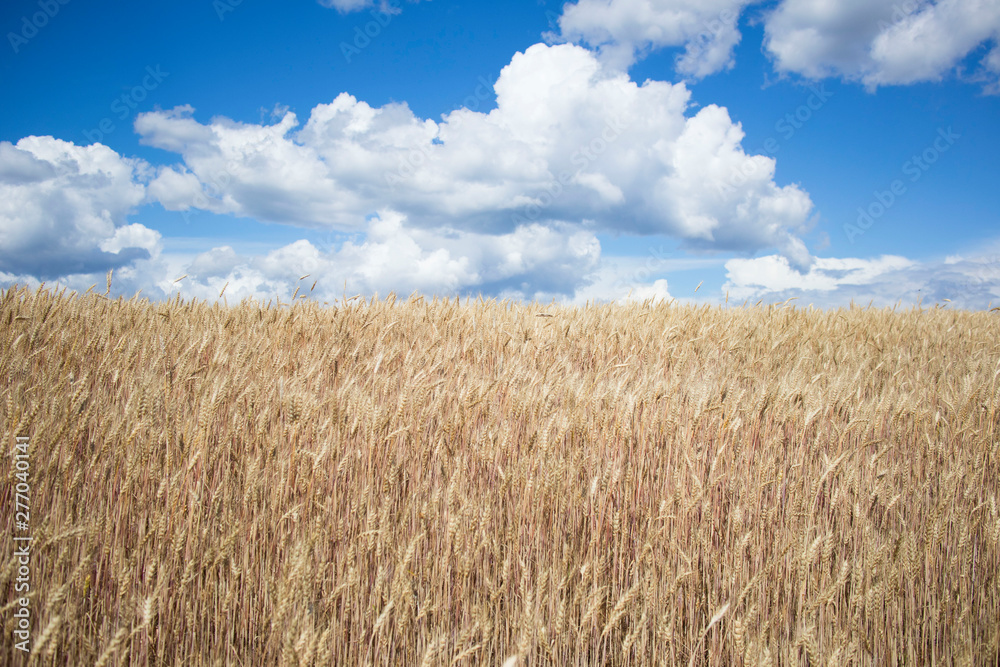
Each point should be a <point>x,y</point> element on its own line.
<point>436,482</point>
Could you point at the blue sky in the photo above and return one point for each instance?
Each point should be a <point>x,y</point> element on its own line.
<point>592,150</point>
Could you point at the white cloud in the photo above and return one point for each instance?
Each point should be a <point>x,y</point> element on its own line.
<point>882,42</point>
<point>967,281</point>
<point>624,30</point>
<point>570,142</point>
<point>532,262</point>
<point>992,65</point>
<point>348,6</point>
<point>529,260</point>
<point>875,42</point>
<point>247,170</point>
<point>216,262</point>
<point>610,283</point>
<point>657,292</point>
<point>176,189</point>
<point>724,198</point>
<point>64,208</point>
<point>130,237</point>
<point>345,6</point>
<point>750,277</point>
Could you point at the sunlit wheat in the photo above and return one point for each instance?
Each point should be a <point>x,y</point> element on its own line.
<point>445,483</point>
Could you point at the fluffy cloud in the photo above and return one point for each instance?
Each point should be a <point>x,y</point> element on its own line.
<point>571,141</point>
<point>247,170</point>
<point>348,6</point>
<point>345,6</point>
<point>967,281</point>
<point>531,262</point>
<point>623,30</point>
<point>882,42</point>
<point>876,42</point>
<point>741,207</point>
<point>528,261</point>
<point>507,202</point>
<point>63,209</point>
<point>616,280</point>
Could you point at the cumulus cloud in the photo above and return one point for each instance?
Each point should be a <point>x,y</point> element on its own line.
<point>533,261</point>
<point>528,261</point>
<point>571,141</point>
<point>876,42</point>
<point>883,42</point>
<point>966,281</point>
<point>561,263</point>
<point>742,207</point>
<point>64,208</point>
<point>348,6</point>
<point>624,30</point>
<point>245,169</point>
<point>345,6</point>
<point>616,280</point>
<point>506,202</point>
